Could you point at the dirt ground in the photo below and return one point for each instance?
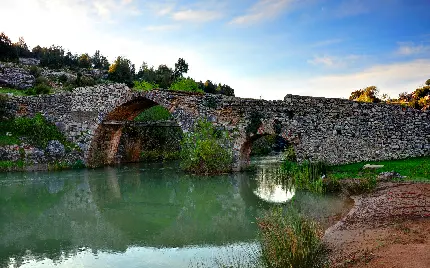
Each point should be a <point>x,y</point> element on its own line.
<point>387,228</point>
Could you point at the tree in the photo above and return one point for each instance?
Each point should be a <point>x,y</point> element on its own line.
<point>37,51</point>
<point>164,76</point>
<point>21,48</point>
<point>226,90</point>
<point>368,94</point>
<point>209,87</point>
<point>84,61</point>
<point>52,57</point>
<point>7,51</point>
<point>122,71</point>
<point>181,68</point>
<point>99,61</point>
<point>428,82</point>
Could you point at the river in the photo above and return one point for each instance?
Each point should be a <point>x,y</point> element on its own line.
<point>142,215</point>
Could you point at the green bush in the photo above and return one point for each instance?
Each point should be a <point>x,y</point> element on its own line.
<point>36,131</point>
<point>144,86</point>
<point>206,150</point>
<point>155,113</point>
<point>290,240</point>
<point>186,84</point>
<point>35,71</point>
<point>263,145</point>
<point>38,90</point>
<point>159,155</point>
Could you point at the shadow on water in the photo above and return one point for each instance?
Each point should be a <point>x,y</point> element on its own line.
<point>140,215</point>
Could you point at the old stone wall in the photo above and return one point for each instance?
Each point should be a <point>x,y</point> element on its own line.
<point>332,130</point>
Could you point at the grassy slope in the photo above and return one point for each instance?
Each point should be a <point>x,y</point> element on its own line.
<point>416,169</point>
<point>15,92</point>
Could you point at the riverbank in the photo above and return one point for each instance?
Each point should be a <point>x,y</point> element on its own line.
<point>389,227</point>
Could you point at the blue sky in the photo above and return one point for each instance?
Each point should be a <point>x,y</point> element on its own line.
<point>262,48</point>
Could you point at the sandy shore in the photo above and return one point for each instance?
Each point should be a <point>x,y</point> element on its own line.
<point>388,228</point>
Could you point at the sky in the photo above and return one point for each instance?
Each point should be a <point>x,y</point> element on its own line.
<point>261,48</point>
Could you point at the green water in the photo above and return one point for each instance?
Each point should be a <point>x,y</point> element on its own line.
<point>142,215</point>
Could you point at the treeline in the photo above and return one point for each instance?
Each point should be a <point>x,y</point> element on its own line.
<point>122,70</point>
<point>417,99</point>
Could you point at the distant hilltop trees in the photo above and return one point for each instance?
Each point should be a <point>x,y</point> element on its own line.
<point>122,70</point>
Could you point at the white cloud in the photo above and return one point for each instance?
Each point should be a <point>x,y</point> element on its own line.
<point>263,10</point>
<point>335,62</point>
<point>407,49</point>
<point>196,15</point>
<point>161,28</point>
<point>327,42</point>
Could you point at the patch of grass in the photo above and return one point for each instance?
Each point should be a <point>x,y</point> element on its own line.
<point>288,239</point>
<point>415,169</point>
<point>15,92</point>
<point>11,165</point>
<point>8,140</point>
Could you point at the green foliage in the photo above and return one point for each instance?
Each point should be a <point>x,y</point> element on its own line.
<point>307,175</point>
<point>181,68</point>
<point>288,239</point>
<point>7,51</point>
<point>36,131</point>
<point>186,84</point>
<point>38,90</point>
<point>254,122</point>
<point>155,113</point>
<point>206,150</point>
<point>263,145</point>
<point>368,94</point>
<point>122,71</point>
<point>35,71</point>
<point>99,61</point>
<point>164,76</point>
<point>144,86</point>
<point>84,61</point>
<point>6,90</point>
<point>289,154</point>
<point>428,82</point>
<point>11,165</point>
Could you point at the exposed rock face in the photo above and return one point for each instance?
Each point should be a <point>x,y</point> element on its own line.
<point>336,131</point>
<point>55,149</point>
<point>29,61</point>
<point>16,77</point>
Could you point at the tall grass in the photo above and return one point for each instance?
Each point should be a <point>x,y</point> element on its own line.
<point>307,175</point>
<point>290,240</point>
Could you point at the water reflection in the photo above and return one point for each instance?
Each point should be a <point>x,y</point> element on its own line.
<point>272,185</point>
<point>141,215</point>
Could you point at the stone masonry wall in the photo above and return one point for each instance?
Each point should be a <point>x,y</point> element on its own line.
<point>333,130</point>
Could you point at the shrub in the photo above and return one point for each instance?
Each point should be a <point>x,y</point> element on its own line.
<point>144,86</point>
<point>35,71</point>
<point>36,131</point>
<point>186,84</point>
<point>290,240</point>
<point>122,71</point>
<point>38,89</point>
<point>206,150</point>
<point>155,113</point>
<point>263,145</point>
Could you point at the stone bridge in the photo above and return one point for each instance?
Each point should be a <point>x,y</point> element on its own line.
<point>332,130</point>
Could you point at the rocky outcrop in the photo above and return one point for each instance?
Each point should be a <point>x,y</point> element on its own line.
<point>13,76</point>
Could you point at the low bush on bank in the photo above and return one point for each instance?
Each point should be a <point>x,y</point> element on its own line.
<point>288,239</point>
<point>187,85</point>
<point>36,131</point>
<point>206,150</point>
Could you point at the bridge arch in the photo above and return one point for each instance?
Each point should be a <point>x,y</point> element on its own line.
<point>106,138</point>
